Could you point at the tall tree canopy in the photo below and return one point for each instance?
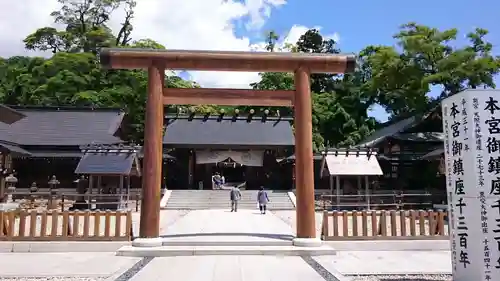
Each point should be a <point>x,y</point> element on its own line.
<point>73,76</point>
<point>339,106</point>
<point>398,78</point>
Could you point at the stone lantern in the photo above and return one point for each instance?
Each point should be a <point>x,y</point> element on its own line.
<point>5,166</point>
<point>33,190</point>
<point>53,185</point>
<point>11,182</point>
<point>53,190</point>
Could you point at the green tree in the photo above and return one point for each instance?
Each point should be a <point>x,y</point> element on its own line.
<point>73,76</point>
<point>339,104</point>
<point>401,78</point>
<point>86,27</point>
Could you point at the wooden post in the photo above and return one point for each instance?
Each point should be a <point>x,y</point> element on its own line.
<point>367,192</point>
<point>304,169</point>
<point>337,192</point>
<point>121,192</point>
<point>152,174</point>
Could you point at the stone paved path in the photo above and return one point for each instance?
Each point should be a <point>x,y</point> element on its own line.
<point>64,264</point>
<point>224,268</point>
<point>388,262</point>
<point>214,225</point>
<point>244,225</point>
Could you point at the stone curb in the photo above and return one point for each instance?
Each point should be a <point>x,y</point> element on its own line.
<point>221,250</point>
<point>62,246</point>
<point>395,245</point>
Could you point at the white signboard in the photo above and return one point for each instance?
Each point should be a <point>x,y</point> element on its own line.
<point>471,124</point>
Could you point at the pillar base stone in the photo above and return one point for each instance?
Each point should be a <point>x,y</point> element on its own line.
<point>147,242</point>
<point>307,242</point>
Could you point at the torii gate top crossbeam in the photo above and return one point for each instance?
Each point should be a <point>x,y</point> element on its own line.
<point>118,58</point>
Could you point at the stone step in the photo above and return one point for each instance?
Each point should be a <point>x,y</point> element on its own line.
<point>219,199</point>
<point>241,202</point>
<point>183,207</point>
<point>169,251</point>
<point>188,203</point>
<point>224,240</point>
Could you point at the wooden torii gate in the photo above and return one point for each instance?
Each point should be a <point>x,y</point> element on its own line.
<point>156,61</point>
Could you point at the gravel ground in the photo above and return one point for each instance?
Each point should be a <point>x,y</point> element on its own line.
<point>59,278</point>
<point>402,278</point>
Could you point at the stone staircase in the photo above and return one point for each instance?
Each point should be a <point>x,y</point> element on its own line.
<point>219,199</point>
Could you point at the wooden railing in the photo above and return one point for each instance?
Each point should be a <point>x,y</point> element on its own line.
<point>374,201</point>
<point>384,225</point>
<point>65,226</point>
<point>66,200</point>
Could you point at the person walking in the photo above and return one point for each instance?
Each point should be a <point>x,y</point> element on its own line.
<point>262,199</point>
<point>217,180</point>
<point>235,196</point>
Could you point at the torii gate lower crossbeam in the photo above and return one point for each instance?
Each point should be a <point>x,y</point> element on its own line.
<point>156,61</point>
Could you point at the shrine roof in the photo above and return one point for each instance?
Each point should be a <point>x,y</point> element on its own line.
<point>13,148</point>
<point>399,130</point>
<point>108,161</point>
<point>434,154</point>
<point>63,126</point>
<point>228,132</point>
<point>420,137</point>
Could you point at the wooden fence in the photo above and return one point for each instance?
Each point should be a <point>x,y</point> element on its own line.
<point>384,225</point>
<point>66,200</point>
<point>54,225</point>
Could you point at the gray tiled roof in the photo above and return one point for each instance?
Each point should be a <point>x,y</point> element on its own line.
<point>106,163</point>
<point>211,132</point>
<point>434,154</point>
<point>421,137</point>
<point>55,154</point>
<point>396,128</point>
<point>388,131</point>
<point>315,157</point>
<point>66,126</point>
<point>13,148</point>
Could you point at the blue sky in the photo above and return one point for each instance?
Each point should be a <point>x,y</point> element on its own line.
<point>361,23</point>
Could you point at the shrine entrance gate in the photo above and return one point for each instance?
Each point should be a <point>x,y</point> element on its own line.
<point>157,61</point>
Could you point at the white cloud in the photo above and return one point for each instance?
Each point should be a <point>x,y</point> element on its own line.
<point>20,18</point>
<point>260,10</point>
<point>298,30</point>
<point>177,24</point>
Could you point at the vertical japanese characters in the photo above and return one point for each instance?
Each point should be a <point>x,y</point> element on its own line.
<point>471,124</point>
<point>479,162</point>
<point>450,182</point>
<point>459,129</point>
<point>492,248</point>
